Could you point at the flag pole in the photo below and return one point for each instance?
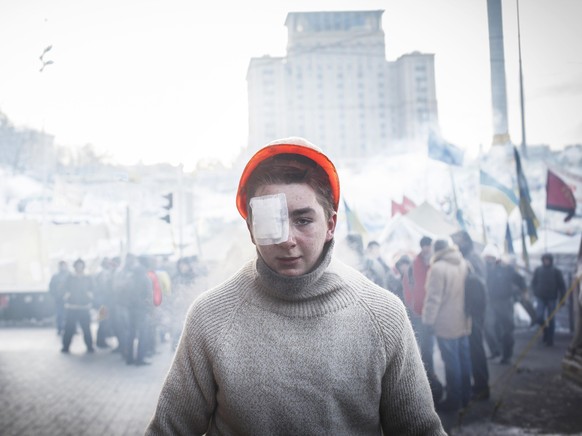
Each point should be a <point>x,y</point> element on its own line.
<point>483,227</point>
<point>546,217</point>
<point>524,254</point>
<point>454,193</point>
<point>523,140</point>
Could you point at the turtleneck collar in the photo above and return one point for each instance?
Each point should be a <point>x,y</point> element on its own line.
<point>297,287</point>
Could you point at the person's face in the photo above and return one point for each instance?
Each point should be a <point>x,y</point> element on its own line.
<point>309,230</point>
<point>426,250</point>
<point>79,268</point>
<point>374,251</point>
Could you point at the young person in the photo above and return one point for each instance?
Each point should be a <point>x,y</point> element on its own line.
<point>295,342</point>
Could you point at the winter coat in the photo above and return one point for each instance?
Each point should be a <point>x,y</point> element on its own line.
<point>58,286</point>
<point>478,265</point>
<point>79,292</point>
<point>504,284</point>
<point>444,305</point>
<point>548,282</point>
<point>414,290</point>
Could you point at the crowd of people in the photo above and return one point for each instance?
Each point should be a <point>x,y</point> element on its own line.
<point>298,342</point>
<point>136,303</point>
<point>432,287</point>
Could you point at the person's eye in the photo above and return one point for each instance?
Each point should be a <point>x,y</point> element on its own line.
<point>303,221</point>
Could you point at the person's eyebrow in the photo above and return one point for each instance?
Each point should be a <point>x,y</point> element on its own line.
<point>303,211</point>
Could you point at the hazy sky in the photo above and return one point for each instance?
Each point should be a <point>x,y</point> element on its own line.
<point>165,80</point>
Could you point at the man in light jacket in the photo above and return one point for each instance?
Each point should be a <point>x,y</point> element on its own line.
<point>444,313</point>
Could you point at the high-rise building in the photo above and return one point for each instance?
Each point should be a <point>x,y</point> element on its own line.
<point>336,88</point>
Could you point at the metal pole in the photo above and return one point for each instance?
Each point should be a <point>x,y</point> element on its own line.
<point>181,209</point>
<point>497,66</point>
<point>128,229</point>
<point>523,140</point>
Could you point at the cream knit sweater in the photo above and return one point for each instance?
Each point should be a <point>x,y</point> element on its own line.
<point>325,353</point>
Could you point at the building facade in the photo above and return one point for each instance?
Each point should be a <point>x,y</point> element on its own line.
<point>336,88</point>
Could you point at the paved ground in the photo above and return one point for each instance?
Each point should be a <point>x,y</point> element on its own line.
<point>44,392</point>
<point>529,397</point>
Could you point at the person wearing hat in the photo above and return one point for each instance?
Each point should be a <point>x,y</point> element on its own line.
<point>295,342</point>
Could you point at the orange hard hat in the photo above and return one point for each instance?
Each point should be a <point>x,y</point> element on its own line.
<point>292,145</point>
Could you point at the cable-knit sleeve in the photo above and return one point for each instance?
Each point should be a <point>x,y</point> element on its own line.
<point>188,396</point>
<point>187,400</point>
<point>406,406</point>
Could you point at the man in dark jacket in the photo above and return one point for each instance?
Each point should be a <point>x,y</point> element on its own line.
<point>139,300</point>
<point>479,369</point>
<point>504,286</point>
<point>57,290</point>
<point>78,301</point>
<point>548,287</point>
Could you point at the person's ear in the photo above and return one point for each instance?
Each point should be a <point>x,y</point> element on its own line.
<point>331,224</point>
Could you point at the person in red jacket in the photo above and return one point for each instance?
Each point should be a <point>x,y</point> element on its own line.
<point>414,293</point>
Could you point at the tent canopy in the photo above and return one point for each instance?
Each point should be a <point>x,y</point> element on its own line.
<point>402,233</point>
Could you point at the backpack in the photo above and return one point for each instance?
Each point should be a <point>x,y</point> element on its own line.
<point>475,294</point>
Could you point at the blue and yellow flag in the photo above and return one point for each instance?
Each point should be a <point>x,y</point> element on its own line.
<point>354,223</point>
<point>491,191</point>
<point>525,208</point>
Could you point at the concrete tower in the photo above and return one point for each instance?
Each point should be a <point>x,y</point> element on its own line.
<point>497,63</point>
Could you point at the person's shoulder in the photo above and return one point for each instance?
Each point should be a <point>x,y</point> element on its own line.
<point>476,261</point>
<point>418,260</point>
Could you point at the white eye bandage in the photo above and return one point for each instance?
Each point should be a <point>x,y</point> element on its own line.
<point>270,219</point>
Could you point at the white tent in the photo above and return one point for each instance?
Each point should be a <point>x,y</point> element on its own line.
<point>403,232</point>
<point>432,221</point>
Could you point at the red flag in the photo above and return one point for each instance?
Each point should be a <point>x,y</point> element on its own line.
<point>397,208</point>
<point>407,204</point>
<point>559,196</point>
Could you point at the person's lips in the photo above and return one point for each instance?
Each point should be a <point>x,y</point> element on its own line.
<point>288,259</point>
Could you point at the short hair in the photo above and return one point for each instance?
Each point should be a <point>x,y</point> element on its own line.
<point>404,260</point>
<point>287,169</point>
<point>424,241</point>
<point>463,240</point>
<point>441,244</point>
<point>79,262</point>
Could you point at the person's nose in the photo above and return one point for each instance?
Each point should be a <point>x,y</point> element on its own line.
<point>290,242</point>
